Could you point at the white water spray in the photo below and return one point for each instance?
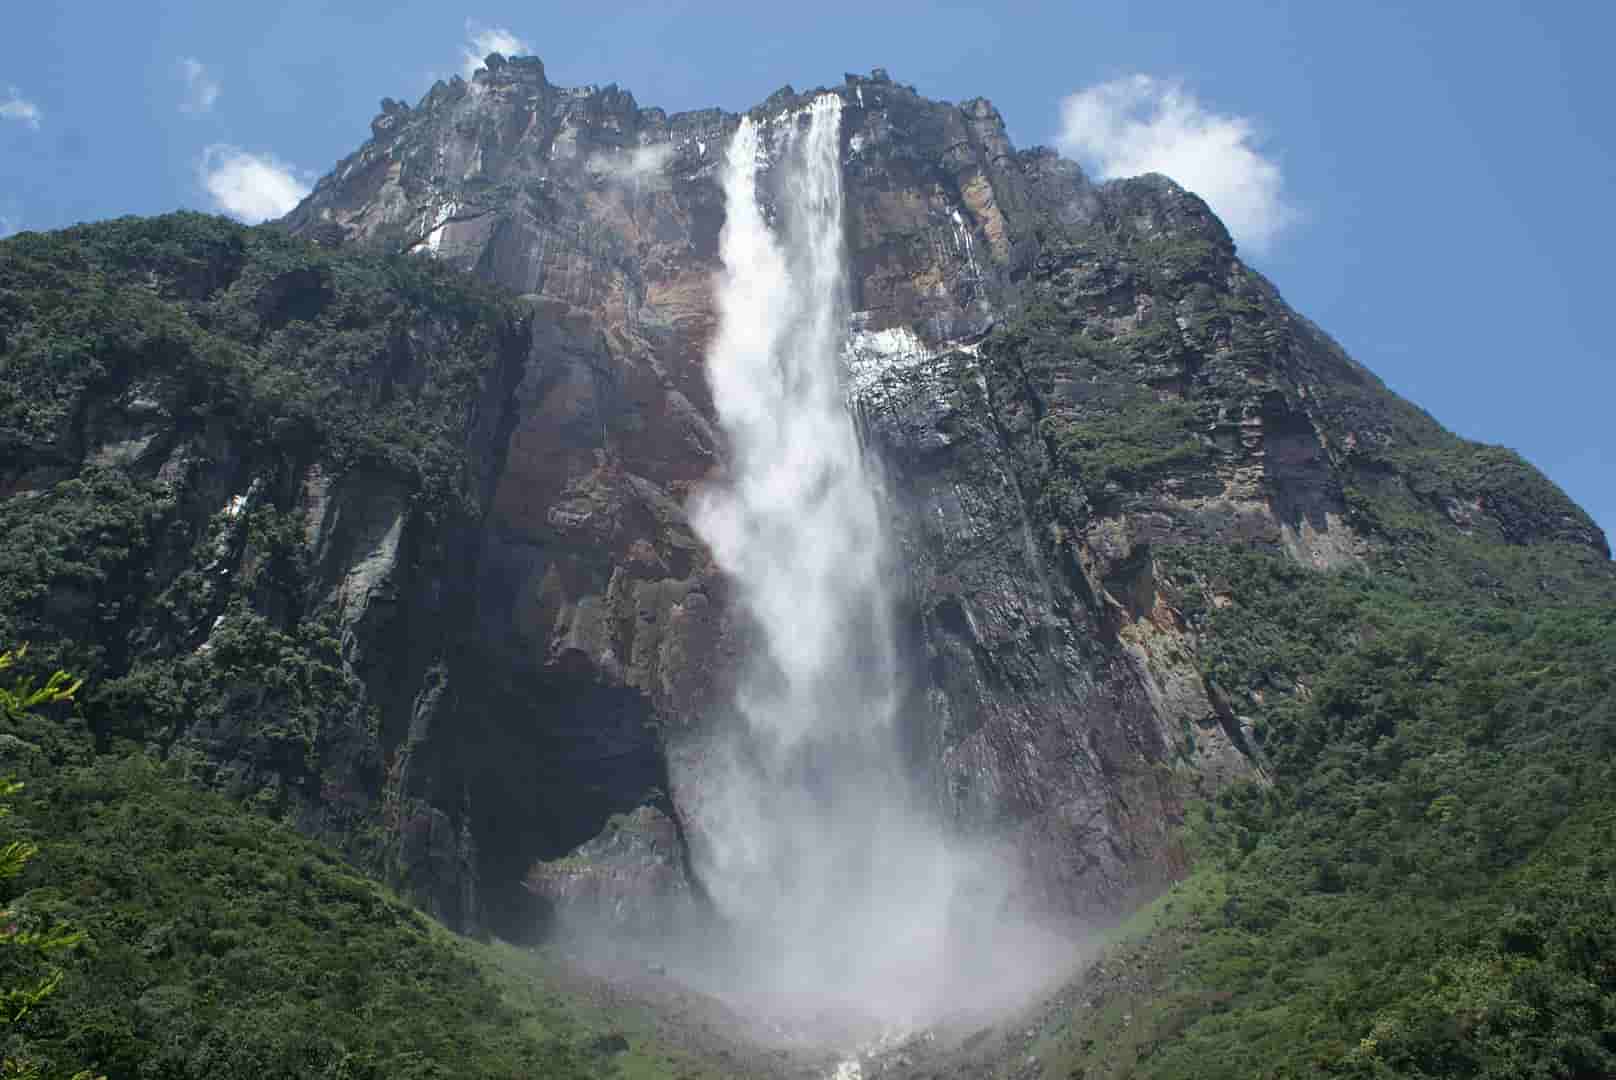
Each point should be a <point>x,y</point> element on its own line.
<point>851,904</point>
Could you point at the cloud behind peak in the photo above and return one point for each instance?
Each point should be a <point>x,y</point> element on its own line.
<point>1140,124</point>
<point>482,40</point>
<point>252,187</point>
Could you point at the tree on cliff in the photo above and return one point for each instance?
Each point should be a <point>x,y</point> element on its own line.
<point>27,975</point>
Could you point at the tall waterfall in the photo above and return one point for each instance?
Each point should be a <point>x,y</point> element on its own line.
<point>799,528</point>
<point>847,895</point>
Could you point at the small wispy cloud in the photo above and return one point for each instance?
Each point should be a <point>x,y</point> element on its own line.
<point>16,107</point>
<point>1141,124</point>
<point>252,187</point>
<point>632,166</point>
<point>482,40</point>
<point>201,88</point>
<point>8,225</point>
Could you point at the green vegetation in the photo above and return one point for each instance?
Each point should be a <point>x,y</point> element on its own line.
<point>168,386</point>
<point>298,349</point>
<point>1045,340</point>
<point>1453,498</point>
<point>213,942</point>
<point>1465,518</point>
<point>1127,441</point>
<point>1103,429</point>
<point>1423,887</point>
<point>1183,254</point>
<point>147,365</point>
<point>28,947</point>
<point>1428,887</point>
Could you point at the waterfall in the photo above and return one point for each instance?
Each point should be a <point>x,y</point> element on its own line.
<point>848,901</point>
<point>799,526</point>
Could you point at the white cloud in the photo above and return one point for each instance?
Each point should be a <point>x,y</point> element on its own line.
<point>201,89</point>
<point>16,107</point>
<point>1139,124</point>
<point>252,187</point>
<point>8,226</point>
<point>482,40</point>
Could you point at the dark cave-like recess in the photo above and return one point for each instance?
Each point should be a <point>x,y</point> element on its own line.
<point>551,764</point>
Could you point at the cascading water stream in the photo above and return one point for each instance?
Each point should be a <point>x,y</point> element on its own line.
<point>846,895</point>
<point>799,528</point>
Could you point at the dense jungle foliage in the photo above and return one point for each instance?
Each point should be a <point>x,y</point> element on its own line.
<point>1423,882</point>
<point>204,940</point>
<point>168,387</point>
<point>302,347</point>
<point>1426,887</point>
<point>147,366</point>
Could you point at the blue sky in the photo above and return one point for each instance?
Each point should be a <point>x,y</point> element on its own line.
<point>1432,183</point>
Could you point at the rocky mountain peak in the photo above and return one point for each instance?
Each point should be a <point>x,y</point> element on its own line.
<point>1069,385</point>
<point>1063,376</point>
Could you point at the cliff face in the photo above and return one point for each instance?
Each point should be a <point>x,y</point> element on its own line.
<point>500,634</point>
<point>1034,714</point>
<point>1061,378</point>
<point>241,481</point>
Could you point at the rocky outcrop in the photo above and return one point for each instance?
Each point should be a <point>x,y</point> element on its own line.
<point>631,877</point>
